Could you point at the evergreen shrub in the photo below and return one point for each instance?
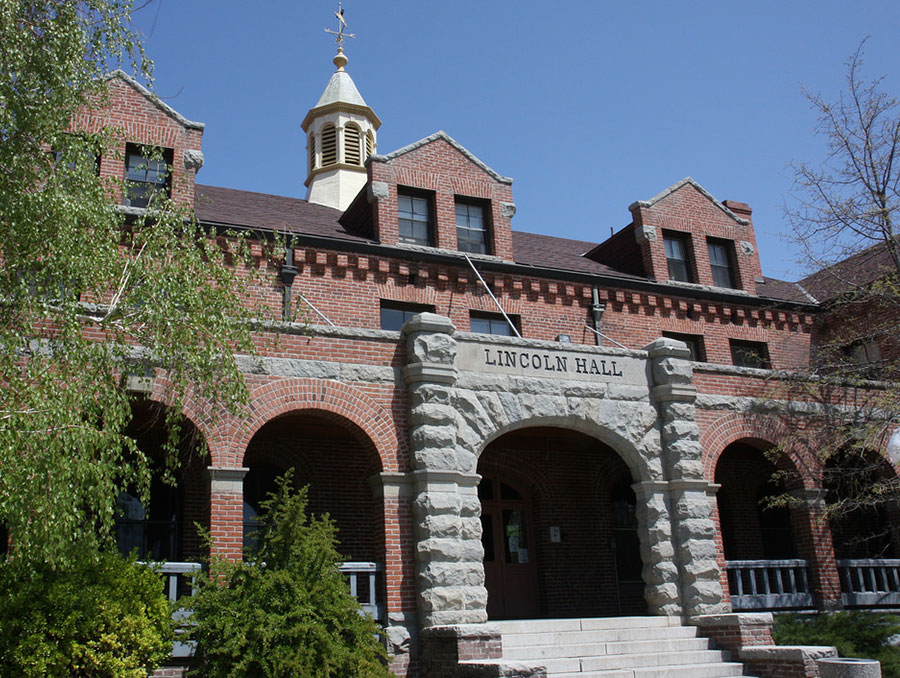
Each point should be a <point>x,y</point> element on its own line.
<point>97,617</point>
<point>286,610</point>
<point>855,634</point>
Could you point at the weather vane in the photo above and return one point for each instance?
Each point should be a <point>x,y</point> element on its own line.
<point>342,24</point>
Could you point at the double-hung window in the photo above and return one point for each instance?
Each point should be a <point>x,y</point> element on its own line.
<point>721,262</point>
<point>677,256</point>
<point>394,314</point>
<point>493,323</point>
<point>415,219</point>
<point>146,176</point>
<point>471,227</point>
<point>749,353</point>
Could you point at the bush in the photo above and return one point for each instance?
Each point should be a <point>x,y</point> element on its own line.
<point>286,610</point>
<point>101,617</point>
<point>854,634</point>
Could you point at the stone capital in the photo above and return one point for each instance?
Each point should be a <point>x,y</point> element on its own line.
<point>391,485</point>
<point>222,479</point>
<point>674,392</point>
<point>418,373</point>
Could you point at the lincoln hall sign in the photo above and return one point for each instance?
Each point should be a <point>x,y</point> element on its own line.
<point>537,362</point>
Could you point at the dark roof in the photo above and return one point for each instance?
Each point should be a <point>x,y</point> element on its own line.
<point>247,209</point>
<point>548,251</point>
<point>856,270</point>
<point>781,290</point>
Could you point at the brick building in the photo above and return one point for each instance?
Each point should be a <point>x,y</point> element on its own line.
<point>503,425</point>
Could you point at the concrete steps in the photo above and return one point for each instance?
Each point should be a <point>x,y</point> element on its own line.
<point>614,647</point>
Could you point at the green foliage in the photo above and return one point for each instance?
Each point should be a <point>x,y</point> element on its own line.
<point>292,615</point>
<point>88,619</point>
<point>854,634</point>
<point>163,296</point>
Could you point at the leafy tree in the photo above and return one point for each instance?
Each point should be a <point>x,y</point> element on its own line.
<point>88,296</point>
<point>285,610</point>
<point>845,214</point>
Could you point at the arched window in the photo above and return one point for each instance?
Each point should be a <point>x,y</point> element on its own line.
<point>311,147</point>
<point>352,154</point>
<point>329,145</point>
<point>370,143</point>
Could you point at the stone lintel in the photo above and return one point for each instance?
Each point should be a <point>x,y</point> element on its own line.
<point>222,479</point>
<point>391,485</point>
<point>418,373</point>
<point>674,392</point>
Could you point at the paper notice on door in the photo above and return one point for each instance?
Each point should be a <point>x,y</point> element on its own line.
<point>523,555</point>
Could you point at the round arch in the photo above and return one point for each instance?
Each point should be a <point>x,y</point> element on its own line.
<point>734,428</point>
<point>283,396</point>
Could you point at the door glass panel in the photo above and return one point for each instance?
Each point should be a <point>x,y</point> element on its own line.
<point>515,536</point>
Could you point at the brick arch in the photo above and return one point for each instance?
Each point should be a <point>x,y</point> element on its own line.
<point>732,428</point>
<point>195,411</point>
<point>290,395</point>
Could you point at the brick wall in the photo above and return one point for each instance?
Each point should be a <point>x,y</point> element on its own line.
<point>135,118</point>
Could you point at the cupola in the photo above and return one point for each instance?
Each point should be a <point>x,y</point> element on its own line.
<point>340,136</point>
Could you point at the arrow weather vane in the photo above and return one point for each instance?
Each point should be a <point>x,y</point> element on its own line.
<point>342,24</point>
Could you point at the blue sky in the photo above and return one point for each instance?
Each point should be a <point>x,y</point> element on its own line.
<point>589,106</point>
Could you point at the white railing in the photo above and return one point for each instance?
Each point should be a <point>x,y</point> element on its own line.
<point>181,580</point>
<point>869,582</point>
<point>363,586</point>
<point>769,584</point>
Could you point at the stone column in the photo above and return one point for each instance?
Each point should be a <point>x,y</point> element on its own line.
<point>226,511</point>
<point>693,530</point>
<point>446,509</point>
<point>813,533</point>
<point>660,573</point>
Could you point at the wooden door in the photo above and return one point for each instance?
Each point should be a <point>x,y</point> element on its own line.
<point>510,568</point>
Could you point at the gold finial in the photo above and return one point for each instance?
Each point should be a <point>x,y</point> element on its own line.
<point>340,60</point>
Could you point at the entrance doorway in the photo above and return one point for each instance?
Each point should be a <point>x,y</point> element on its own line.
<point>559,527</point>
<point>510,570</point>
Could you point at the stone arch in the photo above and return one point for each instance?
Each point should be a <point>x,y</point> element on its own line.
<point>288,395</point>
<point>625,448</point>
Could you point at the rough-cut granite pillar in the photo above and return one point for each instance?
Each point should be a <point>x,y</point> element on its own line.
<point>446,510</point>
<point>690,505</point>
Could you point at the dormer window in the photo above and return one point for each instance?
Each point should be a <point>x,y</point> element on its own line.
<point>720,262</point>
<point>415,220</point>
<point>471,229</point>
<point>352,139</point>
<point>329,145</point>
<point>677,256</point>
<point>146,176</point>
